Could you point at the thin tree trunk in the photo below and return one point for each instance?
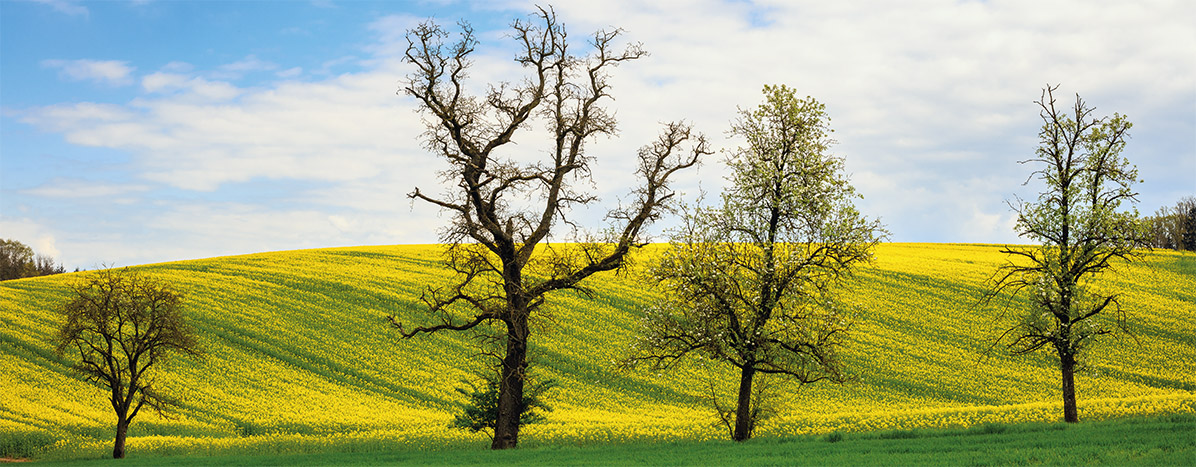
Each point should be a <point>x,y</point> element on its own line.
<point>122,429</point>
<point>510,394</point>
<point>1067,364</point>
<point>743,412</point>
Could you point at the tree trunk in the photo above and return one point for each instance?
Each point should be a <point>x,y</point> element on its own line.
<point>743,412</point>
<point>510,393</point>
<point>122,429</point>
<point>1067,364</point>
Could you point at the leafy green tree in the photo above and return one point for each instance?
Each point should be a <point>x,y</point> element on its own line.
<point>1166,229</point>
<point>753,283</point>
<point>1174,227</point>
<point>123,327</point>
<point>504,211</point>
<point>1084,231</point>
<point>16,260</point>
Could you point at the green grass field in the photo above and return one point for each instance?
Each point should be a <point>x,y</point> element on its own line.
<point>301,361</point>
<point>1167,440</point>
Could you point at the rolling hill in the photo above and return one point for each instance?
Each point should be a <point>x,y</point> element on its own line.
<point>300,359</point>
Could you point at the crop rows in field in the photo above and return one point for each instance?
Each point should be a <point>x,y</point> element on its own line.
<point>300,357</point>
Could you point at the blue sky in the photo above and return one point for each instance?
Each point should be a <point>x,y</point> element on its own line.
<point>145,131</point>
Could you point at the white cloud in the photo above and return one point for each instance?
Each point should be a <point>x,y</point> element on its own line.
<point>329,67</point>
<point>38,237</point>
<point>986,226</point>
<point>194,88</point>
<point>931,103</point>
<point>103,71</point>
<point>67,188</point>
<point>70,7</point>
<point>249,63</point>
<point>391,32</point>
<point>920,94</point>
<point>290,72</point>
<point>187,134</point>
<point>177,67</point>
<point>178,230</point>
<point>159,82</point>
<point>239,68</point>
<point>342,224</point>
<point>67,118</point>
<point>232,228</point>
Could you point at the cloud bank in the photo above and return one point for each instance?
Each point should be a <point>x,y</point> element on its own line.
<point>112,72</point>
<point>931,102</point>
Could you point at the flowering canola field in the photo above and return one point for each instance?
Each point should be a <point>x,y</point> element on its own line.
<point>300,359</point>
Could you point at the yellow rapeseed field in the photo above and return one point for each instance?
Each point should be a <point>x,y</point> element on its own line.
<point>300,358</point>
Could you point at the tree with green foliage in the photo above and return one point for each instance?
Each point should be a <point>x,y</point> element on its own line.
<point>505,211</point>
<point>1174,227</point>
<point>1084,232</point>
<point>123,327</point>
<point>1165,229</point>
<point>754,282</point>
<point>16,260</point>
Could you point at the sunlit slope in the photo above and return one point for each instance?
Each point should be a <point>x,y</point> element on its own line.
<point>298,347</point>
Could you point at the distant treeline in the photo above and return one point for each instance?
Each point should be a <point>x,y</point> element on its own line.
<point>17,260</point>
<point>1174,227</point>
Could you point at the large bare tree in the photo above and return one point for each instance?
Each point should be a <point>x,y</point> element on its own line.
<point>505,211</point>
<point>1084,231</point>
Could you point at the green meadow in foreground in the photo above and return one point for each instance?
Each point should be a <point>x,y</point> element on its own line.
<point>300,360</point>
<point>1165,440</point>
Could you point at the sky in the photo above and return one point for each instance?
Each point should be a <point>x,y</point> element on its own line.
<point>134,132</point>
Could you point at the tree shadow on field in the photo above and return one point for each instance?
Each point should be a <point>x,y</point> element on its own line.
<point>1149,380</point>
<point>345,375</point>
<point>595,374</point>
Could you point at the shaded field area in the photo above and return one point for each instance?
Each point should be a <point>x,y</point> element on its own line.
<point>1167,440</point>
<point>300,360</point>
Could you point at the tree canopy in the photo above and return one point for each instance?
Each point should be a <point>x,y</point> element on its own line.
<point>754,282</point>
<point>120,328</point>
<point>1084,230</point>
<point>17,261</point>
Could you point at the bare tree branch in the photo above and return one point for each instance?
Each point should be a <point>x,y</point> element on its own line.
<point>505,211</point>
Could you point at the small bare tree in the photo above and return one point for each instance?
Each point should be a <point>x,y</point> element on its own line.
<point>123,327</point>
<point>43,265</point>
<point>504,211</point>
<point>1084,232</point>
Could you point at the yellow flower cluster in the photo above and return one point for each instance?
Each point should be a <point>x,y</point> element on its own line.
<point>300,358</point>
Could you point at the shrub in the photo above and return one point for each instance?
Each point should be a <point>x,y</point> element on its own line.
<point>481,412</point>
